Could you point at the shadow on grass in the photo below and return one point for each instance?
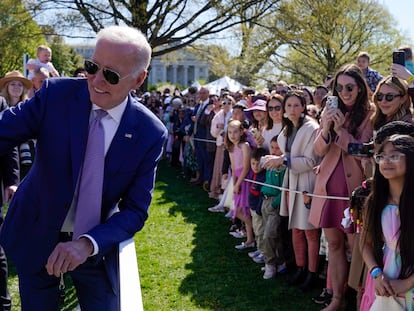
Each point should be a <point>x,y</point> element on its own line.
<point>223,278</point>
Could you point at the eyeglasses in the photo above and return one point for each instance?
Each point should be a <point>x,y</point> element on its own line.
<point>226,103</point>
<point>393,158</point>
<point>110,75</point>
<point>389,97</point>
<point>349,87</point>
<point>275,108</point>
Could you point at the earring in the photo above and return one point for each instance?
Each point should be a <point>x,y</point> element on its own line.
<point>302,115</point>
<point>285,115</point>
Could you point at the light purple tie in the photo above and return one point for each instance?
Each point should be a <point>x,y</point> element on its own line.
<point>88,209</point>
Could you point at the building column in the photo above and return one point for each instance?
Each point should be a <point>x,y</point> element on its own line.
<point>185,74</point>
<point>174,77</point>
<point>164,73</point>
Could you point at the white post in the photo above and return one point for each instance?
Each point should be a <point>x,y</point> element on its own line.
<point>130,287</point>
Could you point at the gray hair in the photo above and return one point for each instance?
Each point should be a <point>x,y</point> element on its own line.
<point>129,35</point>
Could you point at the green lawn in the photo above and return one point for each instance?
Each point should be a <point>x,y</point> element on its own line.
<point>187,259</point>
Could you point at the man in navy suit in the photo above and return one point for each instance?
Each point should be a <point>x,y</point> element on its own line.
<point>37,231</point>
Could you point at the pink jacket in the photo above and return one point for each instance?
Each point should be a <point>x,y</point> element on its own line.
<point>331,152</point>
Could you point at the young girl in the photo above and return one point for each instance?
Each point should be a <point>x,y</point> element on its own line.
<point>239,151</point>
<point>387,240</point>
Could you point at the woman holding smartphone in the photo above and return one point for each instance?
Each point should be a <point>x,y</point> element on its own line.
<point>339,173</point>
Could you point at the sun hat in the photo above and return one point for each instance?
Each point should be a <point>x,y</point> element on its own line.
<point>259,104</point>
<point>15,75</point>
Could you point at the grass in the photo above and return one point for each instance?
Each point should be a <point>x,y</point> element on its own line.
<point>187,260</point>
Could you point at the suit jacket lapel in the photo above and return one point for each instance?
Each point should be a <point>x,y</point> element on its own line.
<point>80,113</point>
<point>126,135</point>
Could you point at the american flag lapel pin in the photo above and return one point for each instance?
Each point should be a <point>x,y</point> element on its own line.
<point>127,135</point>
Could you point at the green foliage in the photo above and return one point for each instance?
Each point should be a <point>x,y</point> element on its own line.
<point>64,57</point>
<point>323,35</point>
<point>19,34</point>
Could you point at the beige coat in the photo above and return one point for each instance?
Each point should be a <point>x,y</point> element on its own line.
<point>300,175</point>
<point>331,152</point>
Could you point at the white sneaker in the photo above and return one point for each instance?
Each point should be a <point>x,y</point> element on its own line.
<point>216,209</point>
<point>270,271</point>
<point>238,234</point>
<point>253,254</point>
<point>259,259</point>
<point>282,268</point>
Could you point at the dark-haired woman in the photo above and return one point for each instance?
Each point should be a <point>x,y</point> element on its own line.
<point>339,173</point>
<point>296,143</point>
<point>388,244</point>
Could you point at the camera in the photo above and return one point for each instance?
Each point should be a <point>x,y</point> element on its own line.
<point>365,150</point>
<point>25,154</point>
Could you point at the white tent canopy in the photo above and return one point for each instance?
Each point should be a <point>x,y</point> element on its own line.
<point>224,83</point>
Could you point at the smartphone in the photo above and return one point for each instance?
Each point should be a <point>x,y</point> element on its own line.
<point>398,57</point>
<point>361,150</point>
<point>332,102</point>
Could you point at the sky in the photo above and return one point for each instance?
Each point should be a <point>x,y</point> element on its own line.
<point>402,11</point>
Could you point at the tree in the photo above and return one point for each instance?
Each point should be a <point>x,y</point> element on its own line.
<point>323,35</point>
<point>169,25</point>
<point>19,34</point>
<point>64,57</point>
<point>245,50</point>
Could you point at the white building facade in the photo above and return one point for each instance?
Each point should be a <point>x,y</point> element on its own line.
<point>184,69</point>
<point>179,67</point>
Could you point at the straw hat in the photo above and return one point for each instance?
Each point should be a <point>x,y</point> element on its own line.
<point>15,75</point>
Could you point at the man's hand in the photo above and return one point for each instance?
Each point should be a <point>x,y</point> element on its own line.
<point>68,255</point>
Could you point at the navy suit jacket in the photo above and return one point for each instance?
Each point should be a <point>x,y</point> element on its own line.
<point>58,117</point>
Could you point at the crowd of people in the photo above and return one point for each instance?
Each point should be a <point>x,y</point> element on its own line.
<point>280,166</point>
<point>293,168</point>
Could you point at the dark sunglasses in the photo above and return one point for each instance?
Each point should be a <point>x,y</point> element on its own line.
<point>349,87</point>
<point>389,97</point>
<point>110,75</point>
<point>275,108</point>
<point>226,103</point>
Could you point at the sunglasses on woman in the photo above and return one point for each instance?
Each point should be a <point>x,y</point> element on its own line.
<point>349,87</point>
<point>275,108</point>
<point>110,75</point>
<point>389,97</point>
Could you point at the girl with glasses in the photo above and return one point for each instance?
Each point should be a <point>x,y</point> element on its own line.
<point>388,245</point>
<point>339,173</point>
<point>392,102</point>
